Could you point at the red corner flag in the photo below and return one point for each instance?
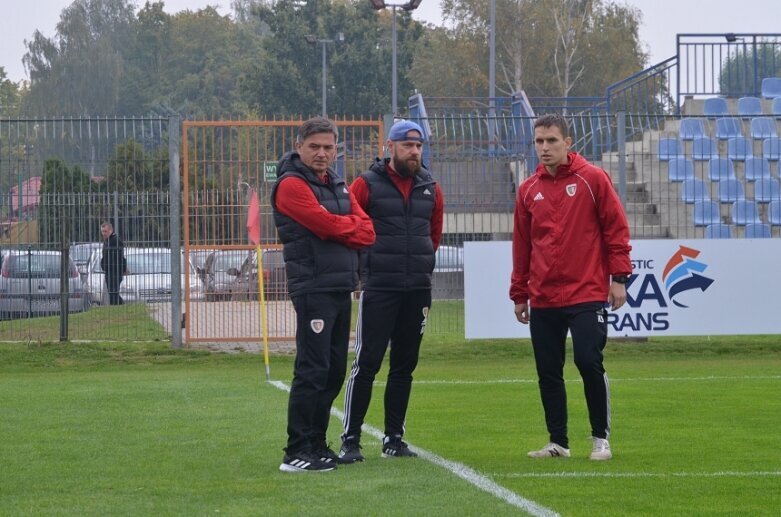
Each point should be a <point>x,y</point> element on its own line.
<point>253,219</point>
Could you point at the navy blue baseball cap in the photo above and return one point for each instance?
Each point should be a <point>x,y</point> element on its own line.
<point>398,132</point>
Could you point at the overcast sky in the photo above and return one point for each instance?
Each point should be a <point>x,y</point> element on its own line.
<point>661,21</point>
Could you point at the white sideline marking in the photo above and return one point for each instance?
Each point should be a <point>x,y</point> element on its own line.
<point>612,380</point>
<point>723,474</point>
<point>466,473</point>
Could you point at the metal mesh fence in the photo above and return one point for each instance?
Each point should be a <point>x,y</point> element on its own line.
<point>59,179</point>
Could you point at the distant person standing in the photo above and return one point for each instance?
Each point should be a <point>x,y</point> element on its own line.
<point>112,262</point>
<point>321,228</point>
<point>406,206</point>
<point>570,259</point>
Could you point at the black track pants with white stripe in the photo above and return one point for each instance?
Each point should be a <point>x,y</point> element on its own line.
<point>385,318</point>
<point>322,338</point>
<point>587,323</point>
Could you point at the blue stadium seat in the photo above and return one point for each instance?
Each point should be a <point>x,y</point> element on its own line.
<point>739,148</point>
<point>715,107</point>
<point>771,148</point>
<point>731,190</point>
<point>771,87</point>
<point>744,212</point>
<point>727,128</point>
<point>706,212</point>
<point>758,231</point>
<point>718,231</point>
<point>749,107</point>
<point>704,148</point>
<point>775,107</point>
<point>694,190</point>
<point>774,213</point>
<point>767,190</point>
<point>757,168</point>
<point>670,148</point>
<point>721,169</point>
<point>691,128</point>
<point>763,127</point>
<point>680,169</point>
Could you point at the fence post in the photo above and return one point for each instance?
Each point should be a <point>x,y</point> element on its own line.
<point>175,190</point>
<point>621,130</point>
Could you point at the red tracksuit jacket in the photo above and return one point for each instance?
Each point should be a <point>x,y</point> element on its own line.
<point>570,234</point>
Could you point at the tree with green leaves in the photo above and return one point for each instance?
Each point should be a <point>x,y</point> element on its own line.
<point>744,69</point>
<point>287,80</point>
<point>549,48</point>
<point>10,95</point>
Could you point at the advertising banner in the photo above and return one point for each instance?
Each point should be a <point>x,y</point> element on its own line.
<point>677,288</point>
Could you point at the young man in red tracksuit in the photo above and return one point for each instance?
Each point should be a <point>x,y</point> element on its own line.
<point>406,206</point>
<point>321,228</point>
<point>570,259</point>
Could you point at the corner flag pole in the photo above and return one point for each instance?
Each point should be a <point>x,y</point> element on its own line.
<point>253,229</point>
<point>263,312</point>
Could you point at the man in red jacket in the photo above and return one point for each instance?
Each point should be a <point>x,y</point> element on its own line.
<point>570,260</point>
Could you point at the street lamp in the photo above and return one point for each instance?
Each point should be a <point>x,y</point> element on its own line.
<point>314,40</point>
<point>410,5</point>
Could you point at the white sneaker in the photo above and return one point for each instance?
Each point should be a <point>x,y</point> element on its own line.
<point>601,449</point>
<point>552,450</point>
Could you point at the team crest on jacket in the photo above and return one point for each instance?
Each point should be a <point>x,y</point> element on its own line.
<point>317,326</point>
<point>571,188</point>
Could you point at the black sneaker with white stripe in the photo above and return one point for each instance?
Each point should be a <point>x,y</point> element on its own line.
<point>393,447</point>
<point>305,461</point>
<point>324,452</point>
<point>350,452</point>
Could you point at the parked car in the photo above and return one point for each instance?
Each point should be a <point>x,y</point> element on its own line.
<point>220,271</point>
<point>80,253</point>
<point>148,278</point>
<point>30,285</point>
<point>274,277</point>
<point>448,278</point>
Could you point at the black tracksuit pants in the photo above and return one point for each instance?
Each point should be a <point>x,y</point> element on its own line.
<point>587,323</point>
<point>322,338</point>
<point>385,318</point>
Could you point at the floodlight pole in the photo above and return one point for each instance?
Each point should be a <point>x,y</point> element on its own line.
<point>314,40</point>
<point>409,5</point>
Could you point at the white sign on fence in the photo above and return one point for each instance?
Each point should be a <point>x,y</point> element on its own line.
<point>677,288</point>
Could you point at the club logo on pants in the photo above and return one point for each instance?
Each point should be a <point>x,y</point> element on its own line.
<point>317,326</point>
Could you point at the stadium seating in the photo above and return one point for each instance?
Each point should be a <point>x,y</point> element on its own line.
<point>757,168</point>
<point>670,148</point>
<point>771,148</point>
<point>718,231</point>
<point>758,231</point>
<point>731,190</point>
<point>739,148</point>
<point>771,87</point>
<point>715,107</point>
<point>694,190</point>
<point>727,128</point>
<point>720,169</point>
<point>749,107</point>
<point>680,169</point>
<point>691,128</point>
<point>744,212</point>
<point>775,107</point>
<point>704,148</point>
<point>774,213</point>
<point>706,212</point>
<point>766,190</point>
<point>763,127</point>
